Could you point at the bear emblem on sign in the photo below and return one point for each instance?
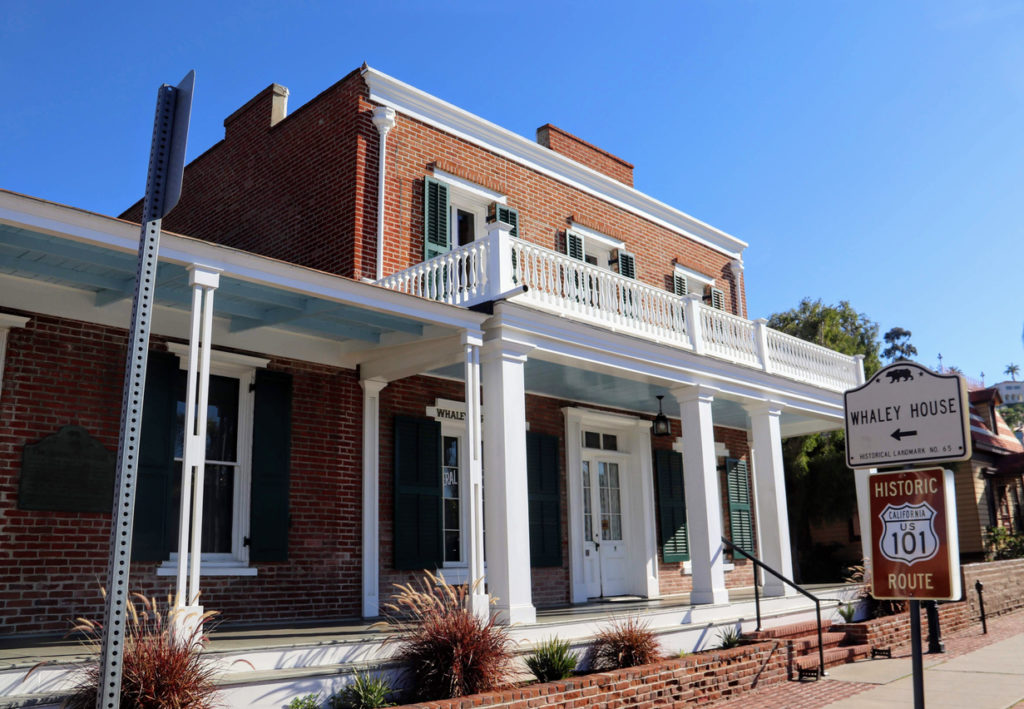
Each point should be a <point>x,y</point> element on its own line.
<point>908,533</point>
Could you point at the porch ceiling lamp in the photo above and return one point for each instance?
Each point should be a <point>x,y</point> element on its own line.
<point>661,424</point>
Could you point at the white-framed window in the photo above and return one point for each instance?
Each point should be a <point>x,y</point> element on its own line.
<point>686,281</point>
<point>467,209</point>
<point>597,249</point>
<point>228,469</point>
<point>455,492</point>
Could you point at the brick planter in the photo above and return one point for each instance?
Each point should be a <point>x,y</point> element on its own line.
<point>894,630</point>
<point>699,678</point>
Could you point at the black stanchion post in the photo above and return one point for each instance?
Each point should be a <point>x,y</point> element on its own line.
<point>935,644</point>
<point>915,653</point>
<point>979,587</point>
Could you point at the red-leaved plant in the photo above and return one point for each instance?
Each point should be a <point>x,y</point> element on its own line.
<point>161,668</point>
<point>446,650</point>
<point>624,643</point>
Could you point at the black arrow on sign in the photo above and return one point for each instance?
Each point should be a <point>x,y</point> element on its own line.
<point>900,435</point>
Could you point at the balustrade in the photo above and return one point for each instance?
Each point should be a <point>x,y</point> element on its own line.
<point>488,268</point>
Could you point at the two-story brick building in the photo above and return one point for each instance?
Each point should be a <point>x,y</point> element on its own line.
<point>435,345</point>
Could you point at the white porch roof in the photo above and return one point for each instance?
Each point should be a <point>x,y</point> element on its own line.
<point>67,262</point>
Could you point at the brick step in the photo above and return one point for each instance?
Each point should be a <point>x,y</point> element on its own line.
<point>809,643</point>
<point>834,656</point>
<point>790,630</point>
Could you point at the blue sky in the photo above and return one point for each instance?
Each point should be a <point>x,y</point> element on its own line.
<point>867,151</point>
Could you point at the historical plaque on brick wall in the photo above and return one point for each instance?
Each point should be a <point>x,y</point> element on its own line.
<point>69,471</point>
<point>914,543</point>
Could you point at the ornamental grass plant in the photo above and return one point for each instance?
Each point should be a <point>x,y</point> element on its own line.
<point>624,643</point>
<point>445,650</point>
<point>552,660</point>
<point>161,669</point>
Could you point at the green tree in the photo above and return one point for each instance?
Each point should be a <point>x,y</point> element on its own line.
<point>1013,414</point>
<point>1013,370</point>
<point>899,348</point>
<point>819,486</point>
<point>838,327</point>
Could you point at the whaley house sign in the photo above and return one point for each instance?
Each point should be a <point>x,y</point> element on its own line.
<point>907,414</point>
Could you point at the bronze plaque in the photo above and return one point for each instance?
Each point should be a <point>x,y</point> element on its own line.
<point>69,471</point>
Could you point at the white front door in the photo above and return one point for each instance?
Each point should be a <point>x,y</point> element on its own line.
<point>604,542</point>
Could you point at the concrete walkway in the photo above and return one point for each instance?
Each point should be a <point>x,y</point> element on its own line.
<point>989,678</point>
<point>977,672</point>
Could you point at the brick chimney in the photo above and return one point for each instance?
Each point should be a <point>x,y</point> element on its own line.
<point>584,153</point>
<point>265,109</point>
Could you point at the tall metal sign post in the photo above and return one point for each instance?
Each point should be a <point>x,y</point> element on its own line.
<point>909,414</point>
<point>163,188</point>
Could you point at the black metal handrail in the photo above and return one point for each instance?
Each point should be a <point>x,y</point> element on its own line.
<point>757,598</point>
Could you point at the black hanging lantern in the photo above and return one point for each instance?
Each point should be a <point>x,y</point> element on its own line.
<point>661,425</point>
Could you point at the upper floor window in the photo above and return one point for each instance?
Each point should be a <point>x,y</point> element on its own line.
<point>686,281</point>
<point>599,250</point>
<point>456,212</point>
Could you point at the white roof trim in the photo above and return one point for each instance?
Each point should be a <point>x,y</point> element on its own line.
<point>470,189</point>
<point>406,99</point>
<point>591,235</point>
<point>694,275</point>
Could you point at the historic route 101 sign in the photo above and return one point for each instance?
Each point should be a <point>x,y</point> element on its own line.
<point>907,414</point>
<point>915,554</point>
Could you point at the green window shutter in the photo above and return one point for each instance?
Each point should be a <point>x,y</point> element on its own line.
<point>627,264</point>
<point>436,212</point>
<point>675,543</point>
<point>679,284</point>
<point>271,466</point>
<point>507,215</point>
<point>717,298</point>
<point>151,535</point>
<point>418,541</point>
<point>574,245</point>
<point>545,507</point>
<point>741,522</point>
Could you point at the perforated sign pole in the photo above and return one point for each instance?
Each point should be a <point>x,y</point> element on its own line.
<point>163,188</point>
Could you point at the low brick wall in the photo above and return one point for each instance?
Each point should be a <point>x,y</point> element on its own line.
<point>894,630</point>
<point>1002,581</point>
<point>698,678</point>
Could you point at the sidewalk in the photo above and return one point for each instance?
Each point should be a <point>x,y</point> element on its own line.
<point>977,671</point>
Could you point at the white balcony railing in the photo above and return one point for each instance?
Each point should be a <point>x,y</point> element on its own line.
<point>488,268</point>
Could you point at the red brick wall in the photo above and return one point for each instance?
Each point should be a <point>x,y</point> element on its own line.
<point>1002,581</point>
<point>61,372</point>
<point>305,191</point>
<point>584,153</point>
<point>545,206</point>
<point>700,678</point>
<point>894,630</point>
<point>302,191</point>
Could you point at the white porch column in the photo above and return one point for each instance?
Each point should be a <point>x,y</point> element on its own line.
<point>506,516</point>
<point>204,281</point>
<point>479,601</point>
<point>6,323</point>
<point>770,491</point>
<point>861,480</point>
<point>703,496</point>
<point>371,495</point>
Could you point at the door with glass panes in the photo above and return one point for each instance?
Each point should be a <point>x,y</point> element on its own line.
<point>604,524</point>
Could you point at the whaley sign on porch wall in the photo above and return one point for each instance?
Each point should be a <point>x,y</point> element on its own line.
<point>916,554</point>
<point>907,414</point>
